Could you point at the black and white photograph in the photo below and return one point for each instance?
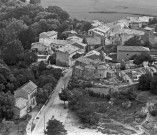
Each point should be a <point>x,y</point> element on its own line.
<point>78,67</point>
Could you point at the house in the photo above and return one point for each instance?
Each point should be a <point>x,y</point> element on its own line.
<point>126,52</point>
<point>49,34</point>
<point>25,99</point>
<point>92,43</point>
<point>40,47</point>
<point>95,55</point>
<point>124,35</point>
<point>96,23</point>
<point>89,69</point>
<point>101,31</point>
<point>138,22</point>
<point>53,44</point>
<point>64,55</point>
<point>70,33</point>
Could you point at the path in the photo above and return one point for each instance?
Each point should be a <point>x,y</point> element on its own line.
<point>53,108</point>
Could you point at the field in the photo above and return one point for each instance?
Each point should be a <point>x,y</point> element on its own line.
<point>80,9</point>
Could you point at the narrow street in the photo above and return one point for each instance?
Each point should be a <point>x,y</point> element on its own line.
<point>54,107</point>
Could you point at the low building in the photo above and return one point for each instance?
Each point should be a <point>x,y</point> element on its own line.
<point>93,43</point>
<point>53,44</point>
<point>89,69</point>
<point>64,55</point>
<point>101,31</point>
<point>25,99</point>
<point>40,47</point>
<point>126,52</point>
<point>49,34</point>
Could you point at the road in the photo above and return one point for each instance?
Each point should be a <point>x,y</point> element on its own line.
<point>53,108</point>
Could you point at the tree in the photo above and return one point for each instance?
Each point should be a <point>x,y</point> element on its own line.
<point>52,59</point>
<point>63,96</point>
<point>153,85</point>
<point>55,127</point>
<point>35,1</point>
<point>41,66</point>
<point>30,58</point>
<point>153,21</point>
<point>12,51</point>
<point>16,26</point>
<point>134,41</point>
<point>145,81</point>
<point>64,15</point>
<point>27,38</point>
<point>143,57</point>
<point>86,26</point>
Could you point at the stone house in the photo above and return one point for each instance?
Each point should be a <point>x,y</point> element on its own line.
<point>49,35</point>
<point>53,44</point>
<point>91,69</point>
<point>25,99</point>
<point>65,53</point>
<point>126,52</point>
<point>124,35</point>
<point>41,48</point>
<point>93,43</point>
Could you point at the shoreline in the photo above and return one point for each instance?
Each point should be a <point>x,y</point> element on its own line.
<point>116,12</point>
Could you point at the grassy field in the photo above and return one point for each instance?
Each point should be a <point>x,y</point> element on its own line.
<point>80,9</point>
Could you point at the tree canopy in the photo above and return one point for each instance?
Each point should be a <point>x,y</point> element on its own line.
<point>55,127</point>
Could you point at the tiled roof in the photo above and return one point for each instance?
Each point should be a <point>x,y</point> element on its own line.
<point>89,67</point>
<point>85,60</point>
<point>79,45</point>
<point>133,48</point>
<point>69,49</point>
<point>75,38</point>
<point>49,33</point>
<point>21,102</point>
<point>47,41</point>
<point>148,28</point>
<point>93,40</point>
<point>101,29</point>
<point>28,87</point>
<point>131,32</point>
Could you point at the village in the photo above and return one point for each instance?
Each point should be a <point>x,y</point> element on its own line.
<point>99,57</point>
<point>88,56</point>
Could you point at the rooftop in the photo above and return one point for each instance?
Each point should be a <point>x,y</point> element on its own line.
<point>48,41</point>
<point>131,32</point>
<point>79,45</point>
<point>93,40</point>
<point>69,49</point>
<point>133,48</point>
<point>28,87</point>
<point>75,38</point>
<point>148,28</point>
<point>85,60</point>
<point>101,29</point>
<point>20,102</point>
<point>49,33</point>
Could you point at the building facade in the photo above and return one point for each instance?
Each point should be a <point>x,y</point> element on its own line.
<point>25,99</point>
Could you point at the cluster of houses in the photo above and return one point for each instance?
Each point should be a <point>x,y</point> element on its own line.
<point>93,63</point>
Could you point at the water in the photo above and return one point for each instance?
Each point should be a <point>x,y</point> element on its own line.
<point>80,8</point>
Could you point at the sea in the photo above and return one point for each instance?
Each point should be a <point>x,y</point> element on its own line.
<point>104,10</point>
